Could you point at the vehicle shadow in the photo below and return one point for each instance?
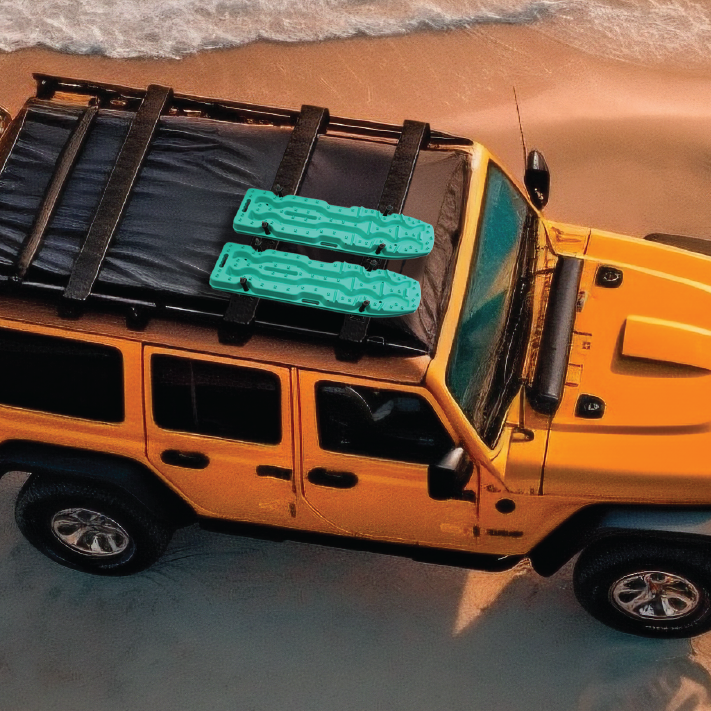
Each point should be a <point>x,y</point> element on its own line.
<point>231,623</point>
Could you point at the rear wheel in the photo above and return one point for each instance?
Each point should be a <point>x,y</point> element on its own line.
<point>652,589</point>
<point>89,527</point>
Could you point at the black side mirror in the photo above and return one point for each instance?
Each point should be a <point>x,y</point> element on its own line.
<point>537,179</point>
<point>447,478</point>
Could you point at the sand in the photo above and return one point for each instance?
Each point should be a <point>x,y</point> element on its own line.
<point>223,623</point>
<point>247,625</point>
<point>628,146</point>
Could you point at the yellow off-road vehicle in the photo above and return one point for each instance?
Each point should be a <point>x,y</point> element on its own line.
<point>548,397</point>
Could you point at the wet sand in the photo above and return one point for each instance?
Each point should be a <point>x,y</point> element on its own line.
<point>234,624</point>
<point>238,624</point>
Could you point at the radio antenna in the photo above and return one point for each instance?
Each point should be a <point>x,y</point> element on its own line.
<point>520,127</point>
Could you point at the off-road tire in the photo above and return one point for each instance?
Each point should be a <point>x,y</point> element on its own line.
<point>602,571</point>
<point>44,496</point>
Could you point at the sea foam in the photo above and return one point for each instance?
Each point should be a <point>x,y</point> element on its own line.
<point>642,30</point>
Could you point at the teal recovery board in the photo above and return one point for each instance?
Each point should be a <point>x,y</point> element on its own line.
<point>296,279</point>
<point>315,223</point>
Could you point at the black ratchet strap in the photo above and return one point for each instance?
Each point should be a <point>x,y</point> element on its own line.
<point>114,199</point>
<point>414,136</point>
<point>237,322</point>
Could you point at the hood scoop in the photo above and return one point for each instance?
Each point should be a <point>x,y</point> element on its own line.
<point>668,341</point>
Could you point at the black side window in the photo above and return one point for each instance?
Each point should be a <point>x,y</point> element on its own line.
<point>379,423</point>
<point>215,399</point>
<point>61,376</point>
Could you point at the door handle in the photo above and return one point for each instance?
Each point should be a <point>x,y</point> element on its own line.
<point>522,434</point>
<point>328,477</point>
<point>189,460</point>
<point>274,472</point>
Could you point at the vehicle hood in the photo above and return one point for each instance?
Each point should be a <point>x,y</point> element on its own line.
<point>644,349</point>
<point>644,346</point>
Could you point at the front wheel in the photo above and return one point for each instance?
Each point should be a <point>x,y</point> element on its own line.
<point>89,527</point>
<point>647,588</point>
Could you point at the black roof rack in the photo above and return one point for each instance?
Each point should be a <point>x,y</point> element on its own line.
<point>236,317</point>
<point>119,97</point>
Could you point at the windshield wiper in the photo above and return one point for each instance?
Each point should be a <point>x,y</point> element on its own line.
<point>507,376</point>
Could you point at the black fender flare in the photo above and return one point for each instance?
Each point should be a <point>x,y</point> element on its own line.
<point>601,524</point>
<point>698,245</point>
<point>128,475</point>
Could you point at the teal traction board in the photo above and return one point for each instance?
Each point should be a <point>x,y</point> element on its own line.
<point>315,223</point>
<point>296,279</point>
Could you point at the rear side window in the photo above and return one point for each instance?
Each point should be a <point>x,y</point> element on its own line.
<point>385,424</point>
<point>215,399</point>
<point>61,376</point>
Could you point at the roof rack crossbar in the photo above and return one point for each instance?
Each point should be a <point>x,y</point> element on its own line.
<point>415,135</point>
<point>312,120</point>
<point>63,168</point>
<point>114,199</point>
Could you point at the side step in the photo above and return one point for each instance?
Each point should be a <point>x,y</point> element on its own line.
<point>296,279</point>
<point>315,223</point>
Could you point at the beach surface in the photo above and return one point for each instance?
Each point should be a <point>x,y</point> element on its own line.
<point>628,145</point>
<point>239,624</point>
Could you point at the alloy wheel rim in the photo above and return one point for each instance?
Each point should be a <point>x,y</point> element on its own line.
<point>655,595</point>
<point>89,532</point>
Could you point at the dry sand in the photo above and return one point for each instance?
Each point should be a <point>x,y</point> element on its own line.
<point>630,150</point>
<point>629,147</point>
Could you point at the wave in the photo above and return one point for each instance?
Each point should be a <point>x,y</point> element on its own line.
<point>642,30</point>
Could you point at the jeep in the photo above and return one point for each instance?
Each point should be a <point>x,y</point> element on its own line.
<point>548,397</point>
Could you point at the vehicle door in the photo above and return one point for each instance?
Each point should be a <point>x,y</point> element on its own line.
<point>366,448</point>
<point>220,431</point>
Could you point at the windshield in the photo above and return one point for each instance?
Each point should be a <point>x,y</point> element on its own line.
<point>484,369</point>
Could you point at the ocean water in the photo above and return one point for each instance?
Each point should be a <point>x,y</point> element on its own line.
<point>637,30</point>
